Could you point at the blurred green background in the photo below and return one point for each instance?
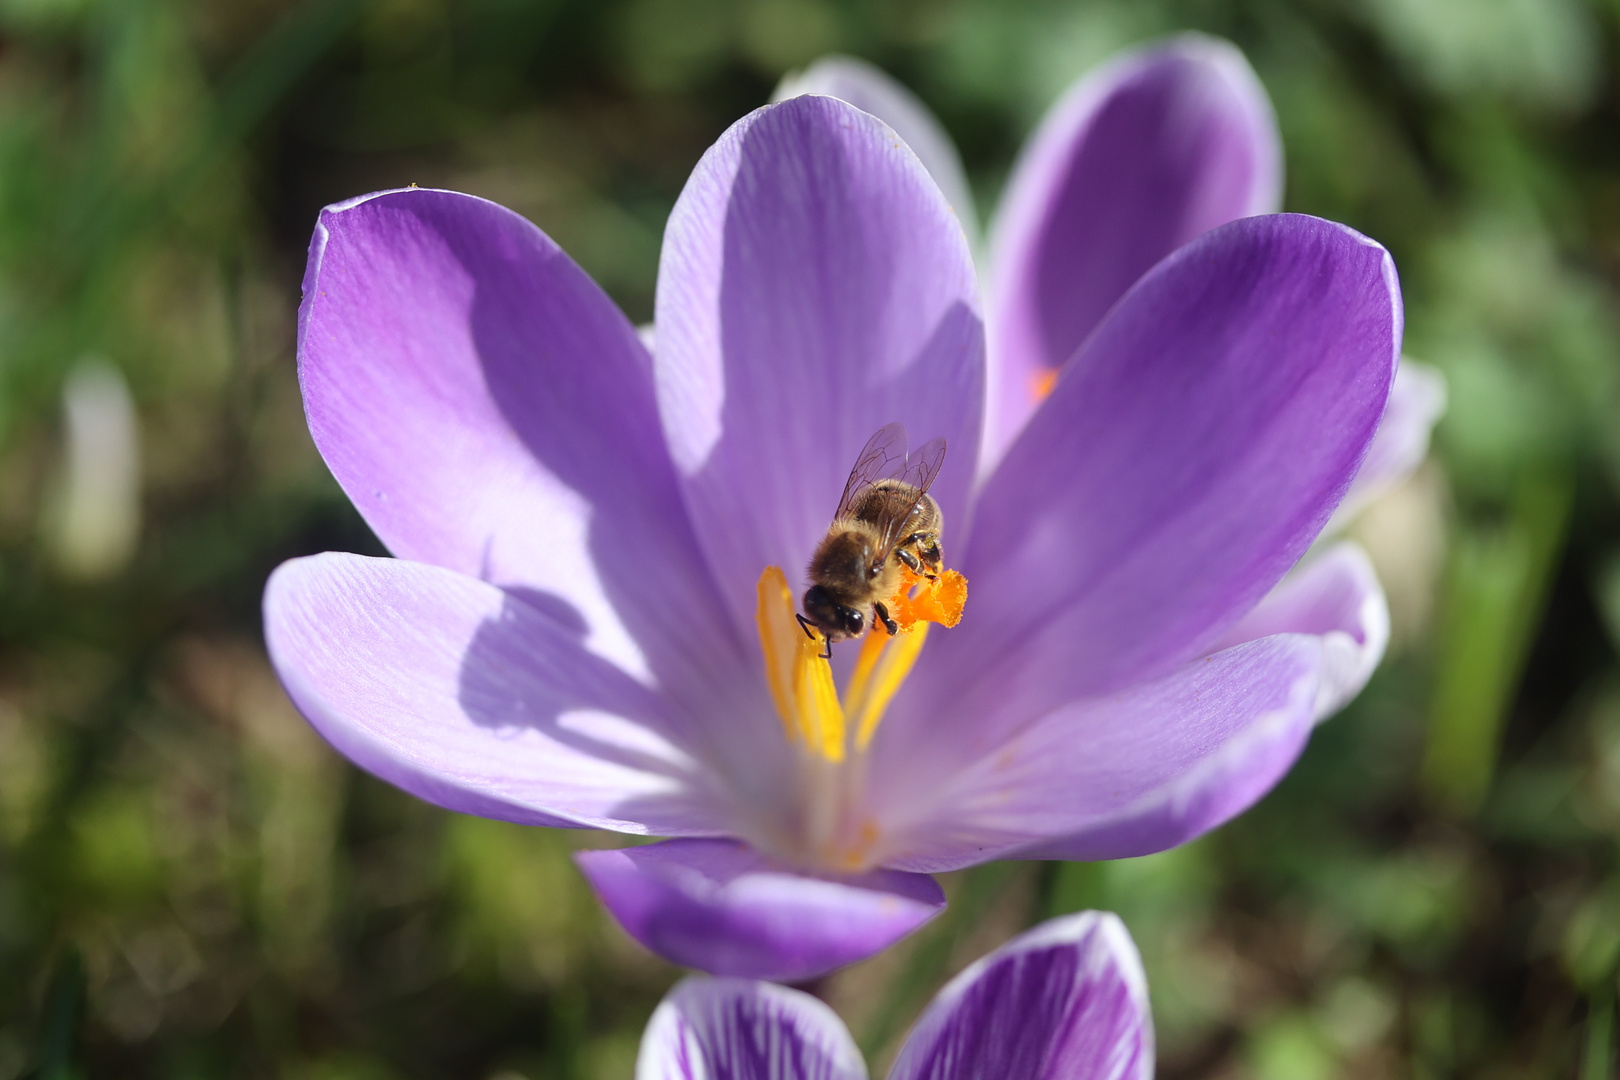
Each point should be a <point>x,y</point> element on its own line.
<point>191,885</point>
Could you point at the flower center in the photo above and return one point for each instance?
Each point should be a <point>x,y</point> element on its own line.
<point>833,733</point>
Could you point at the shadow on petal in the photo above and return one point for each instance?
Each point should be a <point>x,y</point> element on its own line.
<point>603,442</point>
<point>529,667</point>
<point>465,696</point>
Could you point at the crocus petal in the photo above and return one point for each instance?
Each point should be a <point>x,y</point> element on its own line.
<point>738,1029</point>
<point>1417,400</point>
<point>489,410</point>
<point>1181,466</point>
<point>1138,772</point>
<point>1064,1001</point>
<point>1335,595</point>
<point>870,89</point>
<point>1121,775</point>
<point>814,287</point>
<point>722,907</point>
<point>1137,159</point>
<point>468,697</point>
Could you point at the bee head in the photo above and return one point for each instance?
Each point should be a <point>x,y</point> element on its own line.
<point>835,620</point>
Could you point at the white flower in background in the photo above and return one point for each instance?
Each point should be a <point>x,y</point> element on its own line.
<point>94,521</point>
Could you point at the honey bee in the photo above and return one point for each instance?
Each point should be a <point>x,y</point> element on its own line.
<point>885,520</point>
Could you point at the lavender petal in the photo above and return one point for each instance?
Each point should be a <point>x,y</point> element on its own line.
<point>1120,775</point>
<point>1335,594</point>
<point>469,697</point>
<point>1158,765</point>
<point>872,90</point>
<point>489,410</point>
<point>1187,461</point>
<point>722,907</point>
<point>1417,400</point>
<point>814,287</point>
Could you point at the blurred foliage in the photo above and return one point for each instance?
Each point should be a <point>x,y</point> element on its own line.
<point>192,885</point>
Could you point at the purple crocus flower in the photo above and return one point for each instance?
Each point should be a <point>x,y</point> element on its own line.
<point>586,533</point>
<point>1066,999</point>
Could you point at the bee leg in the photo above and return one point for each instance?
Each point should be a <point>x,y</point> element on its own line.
<point>805,624</point>
<point>883,617</point>
<point>909,559</point>
<point>933,557</point>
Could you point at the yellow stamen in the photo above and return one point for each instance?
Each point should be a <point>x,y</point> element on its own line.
<point>1042,383</point>
<point>883,665</point>
<point>873,646</point>
<point>826,828</point>
<point>801,681</point>
<point>776,642</point>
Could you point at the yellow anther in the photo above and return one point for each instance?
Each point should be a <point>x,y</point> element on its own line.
<point>800,679</point>
<point>826,829</point>
<point>882,666</point>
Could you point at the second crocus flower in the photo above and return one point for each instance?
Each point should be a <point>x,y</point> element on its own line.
<point>1064,1001</point>
<point>1142,155</point>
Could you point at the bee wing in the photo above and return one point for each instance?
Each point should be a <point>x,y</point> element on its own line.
<point>921,467</point>
<point>883,458</point>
